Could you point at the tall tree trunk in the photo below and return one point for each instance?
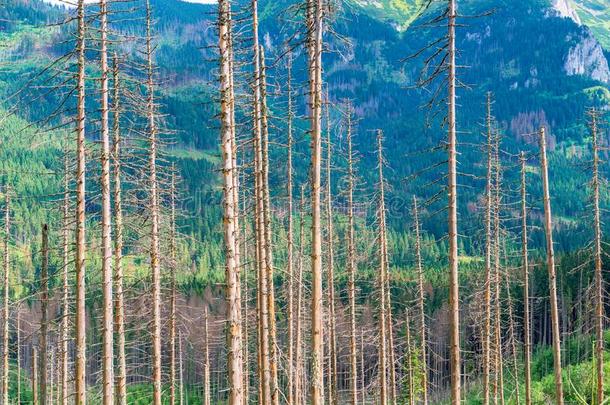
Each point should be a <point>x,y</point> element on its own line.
<point>273,355</point>
<point>44,316</point>
<point>153,211</point>
<point>18,343</point>
<point>180,376</point>
<point>299,305</point>
<point>206,366</point>
<point>80,255</point>
<point>6,291</point>
<point>172,310</point>
<point>454,295</point>
<point>550,261</point>
<point>119,309</point>
<point>290,245</point>
<point>599,289</point>
<point>526,287</point>
<point>234,359</point>
<point>487,298</point>
<point>410,373</point>
<point>107,276</point>
<point>314,45</point>
<point>351,261</point>
<point>421,300</point>
<point>332,336</point>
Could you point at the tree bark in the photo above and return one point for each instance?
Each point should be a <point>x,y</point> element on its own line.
<point>526,297</point>
<point>421,301</point>
<point>44,316</point>
<point>550,262</point>
<point>290,231</point>
<point>6,291</point>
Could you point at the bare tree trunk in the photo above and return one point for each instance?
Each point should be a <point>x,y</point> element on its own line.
<point>18,330</point>
<point>362,374</point>
<point>119,310</point>
<point>234,359</point>
<point>599,289</point>
<point>80,367</point>
<point>153,212</point>
<point>526,286</point>
<point>44,316</point>
<point>351,261</point>
<point>410,374</point>
<point>487,298</point>
<point>290,246</point>
<point>314,45</point>
<point>245,318</point>
<point>454,295</point>
<point>299,304</point>
<point>180,376</point>
<point>206,365</point>
<point>35,376</point>
<point>332,337</point>
<point>512,337</point>
<point>421,300</point>
<point>172,311</point>
<point>550,261</point>
<point>107,276</point>
<point>5,287</point>
<point>497,274</point>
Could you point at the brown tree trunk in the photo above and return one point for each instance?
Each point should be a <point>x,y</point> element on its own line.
<point>314,45</point>
<point>351,262</point>
<point>80,256</point>
<point>234,359</point>
<point>44,316</point>
<point>454,295</point>
<point>172,310</point>
<point>35,400</point>
<point>526,298</point>
<point>290,246</point>
<point>410,373</point>
<point>599,289</point>
<point>206,366</point>
<point>299,305</point>
<point>119,310</point>
<point>550,261</point>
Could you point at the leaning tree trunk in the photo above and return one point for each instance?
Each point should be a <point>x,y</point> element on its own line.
<point>550,262</point>
<point>454,295</point>
<point>234,359</point>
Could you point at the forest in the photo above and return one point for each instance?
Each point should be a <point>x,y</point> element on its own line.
<point>304,202</point>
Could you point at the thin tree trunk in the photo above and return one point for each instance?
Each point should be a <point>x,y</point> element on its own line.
<point>351,262</point>
<point>497,275</point>
<point>107,276</point>
<point>410,374</point>
<point>80,255</point>
<point>550,261</point>
<point>206,366</point>
<point>5,308</point>
<point>44,316</point>
<point>299,304</point>
<point>421,300</point>
<point>180,376</point>
<point>35,376</point>
<point>487,298</point>
<point>332,337</point>
<point>526,287</point>
<point>512,337</point>
<point>153,212</point>
<point>454,295</point>
<point>172,311</point>
<point>599,290</point>
<point>119,310</point>
<point>18,330</point>
<point>314,45</point>
<point>234,359</point>
<point>290,246</point>
<point>362,376</point>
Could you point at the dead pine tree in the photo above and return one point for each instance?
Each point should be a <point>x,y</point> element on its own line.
<point>314,49</point>
<point>6,294</point>
<point>351,259</point>
<point>488,242</point>
<point>454,294</point>
<point>332,332</point>
<point>410,371</point>
<point>550,262</point>
<point>290,233</point>
<point>153,210</point>
<point>234,359</point>
<point>119,309</point>
<point>44,314</point>
<point>599,289</point>
<point>299,368</point>
<point>35,398</point>
<point>527,358</point>
<point>420,303</point>
<point>80,251</point>
<point>106,253</point>
<point>206,362</point>
<point>172,310</point>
